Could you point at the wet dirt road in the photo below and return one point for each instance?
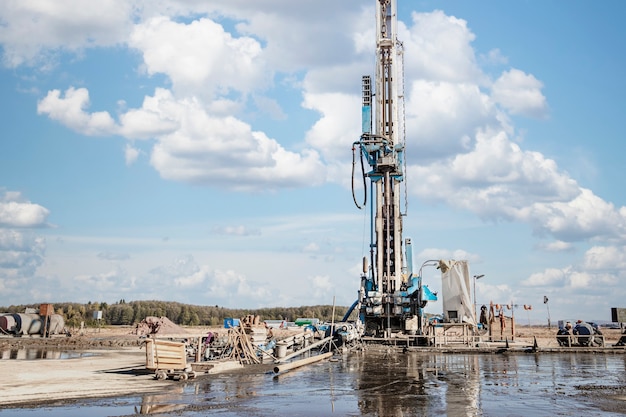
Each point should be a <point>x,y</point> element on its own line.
<point>391,383</point>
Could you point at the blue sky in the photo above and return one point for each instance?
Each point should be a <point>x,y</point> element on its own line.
<point>200,152</point>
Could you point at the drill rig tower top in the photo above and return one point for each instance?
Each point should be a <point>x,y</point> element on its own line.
<point>390,298</point>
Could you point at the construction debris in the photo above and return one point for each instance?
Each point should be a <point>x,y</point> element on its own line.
<point>248,343</point>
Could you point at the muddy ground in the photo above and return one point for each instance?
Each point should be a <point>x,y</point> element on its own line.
<point>111,362</point>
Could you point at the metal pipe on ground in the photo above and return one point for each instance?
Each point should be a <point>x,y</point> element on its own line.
<point>306,349</point>
<point>296,364</point>
<point>296,338</point>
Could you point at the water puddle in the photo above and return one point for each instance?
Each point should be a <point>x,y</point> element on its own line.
<point>390,384</point>
<point>38,353</point>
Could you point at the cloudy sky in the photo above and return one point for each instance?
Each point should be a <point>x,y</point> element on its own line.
<point>200,151</point>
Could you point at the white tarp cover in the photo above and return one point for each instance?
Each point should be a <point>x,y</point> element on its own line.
<point>455,289</point>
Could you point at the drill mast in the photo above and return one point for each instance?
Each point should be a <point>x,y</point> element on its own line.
<point>389,297</point>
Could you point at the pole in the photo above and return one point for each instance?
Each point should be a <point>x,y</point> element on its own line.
<point>476,277</point>
<point>512,321</point>
<point>475,317</point>
<point>332,319</point>
<point>545,301</point>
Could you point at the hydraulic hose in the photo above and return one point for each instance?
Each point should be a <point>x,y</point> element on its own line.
<point>359,206</point>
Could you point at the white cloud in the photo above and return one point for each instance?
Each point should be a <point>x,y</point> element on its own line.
<point>158,115</point>
<point>335,128</point>
<point>549,277</point>
<point>520,93</point>
<point>15,212</point>
<point>200,56</point>
<point>183,266</point>
<point>303,34</point>
<point>195,279</point>
<point>580,279</point>
<point>586,216</point>
<point>233,288</point>
<point>21,250</point>
<point>21,253</point>
<point>605,258</point>
<point>495,57</point>
<point>201,149</point>
<point>443,119</point>
<point>206,148</point>
<point>322,289</point>
<point>131,154</point>
<point>601,269</point>
<point>185,279</point>
<point>106,285</point>
<point>497,179</point>
<point>498,294</point>
<point>33,30</point>
<point>557,246</point>
<point>70,111</point>
<point>438,48</point>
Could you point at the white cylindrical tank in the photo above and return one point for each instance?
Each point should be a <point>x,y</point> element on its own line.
<point>56,324</point>
<point>28,323</point>
<point>31,323</point>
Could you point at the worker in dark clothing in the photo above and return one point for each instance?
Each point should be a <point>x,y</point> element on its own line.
<point>563,335</point>
<point>483,317</point>
<point>585,332</point>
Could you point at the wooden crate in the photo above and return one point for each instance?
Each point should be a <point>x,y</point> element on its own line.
<point>164,354</point>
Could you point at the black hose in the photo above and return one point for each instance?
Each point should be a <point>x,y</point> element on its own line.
<point>364,180</point>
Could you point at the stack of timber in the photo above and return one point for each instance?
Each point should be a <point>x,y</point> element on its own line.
<point>237,351</point>
<point>242,348</point>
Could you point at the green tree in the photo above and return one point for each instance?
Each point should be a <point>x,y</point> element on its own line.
<point>127,315</point>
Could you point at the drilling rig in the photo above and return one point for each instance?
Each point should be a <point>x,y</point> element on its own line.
<point>391,299</point>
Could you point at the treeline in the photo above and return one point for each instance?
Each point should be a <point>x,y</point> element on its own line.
<point>133,312</point>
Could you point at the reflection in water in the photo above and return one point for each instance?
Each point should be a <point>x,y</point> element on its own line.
<point>38,353</point>
<point>162,403</point>
<point>392,383</point>
<point>411,383</point>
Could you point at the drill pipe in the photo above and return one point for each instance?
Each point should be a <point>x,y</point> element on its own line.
<point>306,349</point>
<point>287,366</point>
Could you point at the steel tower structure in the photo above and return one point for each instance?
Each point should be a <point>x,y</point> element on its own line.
<point>390,298</point>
